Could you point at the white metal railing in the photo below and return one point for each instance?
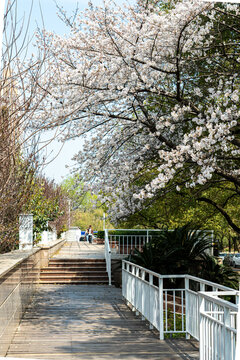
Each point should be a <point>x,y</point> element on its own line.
<point>125,243</point>
<point>218,326</point>
<point>188,305</point>
<point>108,258</point>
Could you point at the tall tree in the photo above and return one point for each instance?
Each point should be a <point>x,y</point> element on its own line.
<point>157,90</point>
<point>19,160</point>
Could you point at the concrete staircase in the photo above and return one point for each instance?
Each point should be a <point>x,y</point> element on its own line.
<point>75,271</point>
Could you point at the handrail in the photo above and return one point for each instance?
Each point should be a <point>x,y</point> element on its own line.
<point>125,241</point>
<point>182,276</point>
<point>192,310</point>
<point>108,257</point>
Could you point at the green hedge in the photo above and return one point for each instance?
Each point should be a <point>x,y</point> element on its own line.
<point>100,234</point>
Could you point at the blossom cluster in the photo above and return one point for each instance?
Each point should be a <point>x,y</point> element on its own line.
<point>152,93</point>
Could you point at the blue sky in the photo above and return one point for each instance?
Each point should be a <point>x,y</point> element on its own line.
<point>56,169</point>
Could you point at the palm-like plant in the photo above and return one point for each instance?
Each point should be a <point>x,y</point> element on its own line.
<point>144,258</point>
<point>218,273</point>
<point>184,251</point>
<point>183,248</point>
<point>175,251</point>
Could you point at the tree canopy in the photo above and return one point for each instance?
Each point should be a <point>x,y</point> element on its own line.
<point>156,88</point>
<point>85,207</point>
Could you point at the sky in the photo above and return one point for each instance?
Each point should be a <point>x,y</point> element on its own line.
<point>58,154</point>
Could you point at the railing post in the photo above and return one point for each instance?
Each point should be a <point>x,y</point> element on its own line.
<point>108,257</point>
<point>202,329</point>
<point>143,278</point>
<point>201,307</point>
<point>227,323</point>
<point>123,281</point>
<point>136,292</point>
<point>161,314</point>
<point>149,302</point>
<point>237,354</point>
<point>110,270</point>
<point>187,306</point>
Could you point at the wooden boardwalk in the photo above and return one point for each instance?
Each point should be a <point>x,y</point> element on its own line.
<point>83,250</point>
<point>86,322</point>
<point>80,250</point>
<point>89,322</point>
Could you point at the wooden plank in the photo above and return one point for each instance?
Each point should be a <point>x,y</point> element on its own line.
<point>89,322</point>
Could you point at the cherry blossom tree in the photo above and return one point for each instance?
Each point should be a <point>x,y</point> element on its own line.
<point>154,88</point>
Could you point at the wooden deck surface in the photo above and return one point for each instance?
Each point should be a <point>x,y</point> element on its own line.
<point>83,250</point>
<point>89,322</point>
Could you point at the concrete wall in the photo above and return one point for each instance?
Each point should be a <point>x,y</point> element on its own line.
<point>19,275</point>
<point>48,250</point>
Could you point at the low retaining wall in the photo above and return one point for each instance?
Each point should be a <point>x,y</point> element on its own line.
<point>48,250</point>
<point>19,275</point>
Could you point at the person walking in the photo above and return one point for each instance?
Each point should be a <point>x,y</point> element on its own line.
<point>90,234</point>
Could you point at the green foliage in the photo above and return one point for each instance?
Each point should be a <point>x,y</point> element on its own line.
<point>174,252</point>
<point>100,234</point>
<point>221,274</point>
<point>86,209</point>
<point>15,183</point>
<point>171,323</point>
<point>46,205</point>
<point>184,251</point>
<point>92,216</point>
<point>175,209</point>
<point>81,198</point>
<point>43,209</point>
<point>147,257</point>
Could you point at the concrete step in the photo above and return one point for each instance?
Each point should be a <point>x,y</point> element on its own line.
<point>77,261</point>
<point>74,282</point>
<point>60,269</point>
<point>77,266</point>
<point>74,277</point>
<point>74,271</point>
<point>69,273</point>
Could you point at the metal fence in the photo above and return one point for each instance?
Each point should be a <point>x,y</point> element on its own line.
<point>125,244</point>
<point>188,305</point>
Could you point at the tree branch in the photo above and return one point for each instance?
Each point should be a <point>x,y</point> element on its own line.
<point>222,211</point>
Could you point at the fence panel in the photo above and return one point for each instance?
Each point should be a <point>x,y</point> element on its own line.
<point>190,310</point>
<point>218,327</point>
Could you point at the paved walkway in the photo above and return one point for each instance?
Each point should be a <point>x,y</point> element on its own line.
<point>83,250</point>
<point>80,250</point>
<point>89,322</point>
